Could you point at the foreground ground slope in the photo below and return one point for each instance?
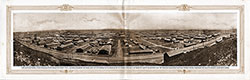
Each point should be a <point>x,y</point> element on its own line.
<point>222,54</point>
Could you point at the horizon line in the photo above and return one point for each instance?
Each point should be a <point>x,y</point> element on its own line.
<point>119,29</point>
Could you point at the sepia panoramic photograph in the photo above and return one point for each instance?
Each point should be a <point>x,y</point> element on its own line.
<point>125,39</point>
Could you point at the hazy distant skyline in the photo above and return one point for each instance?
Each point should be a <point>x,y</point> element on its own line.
<point>80,21</point>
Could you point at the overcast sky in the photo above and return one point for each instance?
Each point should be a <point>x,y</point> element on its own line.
<point>183,21</point>
<point>62,21</point>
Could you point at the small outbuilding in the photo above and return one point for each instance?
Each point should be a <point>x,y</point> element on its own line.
<point>105,50</point>
<point>79,50</point>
